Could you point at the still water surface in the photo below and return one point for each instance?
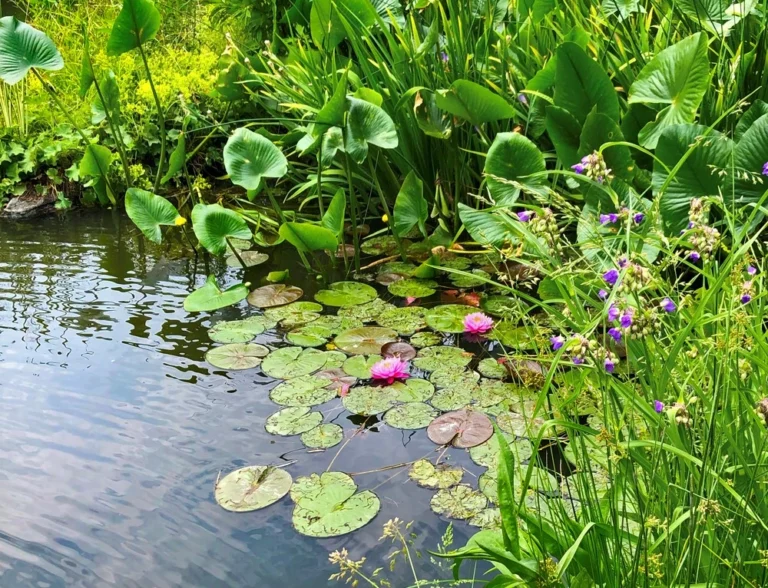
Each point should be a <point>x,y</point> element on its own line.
<point>113,428</point>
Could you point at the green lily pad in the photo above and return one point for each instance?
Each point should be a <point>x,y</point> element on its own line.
<point>323,436</point>
<point>210,297</point>
<point>240,244</point>
<point>310,335</point>
<point>492,392</point>
<point>400,349</point>
<point>413,390</point>
<point>490,368</point>
<point>492,258</point>
<point>365,340</point>
<point>411,415</point>
<point>337,324</point>
<point>426,475</point>
<point>435,358</point>
<point>459,502</point>
<point>403,268</point>
<point>370,400</point>
<point>473,279</point>
<point>293,420</point>
<point>451,398</point>
<point>334,359</point>
<point>292,362</point>
<point>237,356</point>
<point>487,519</point>
<point>387,279</point>
<point>405,320</point>
<point>367,312</point>
<point>327,505</point>
<point>487,454</point>
<point>384,245</point>
<point>449,318</point>
<point>512,336</point>
<point>360,366</point>
<point>412,288</point>
<point>346,294</point>
<point>501,306</point>
<point>241,331</point>
<point>519,425</point>
<point>302,391</point>
<point>274,295</point>
<point>458,263</point>
<point>250,259</point>
<point>252,487</point>
<point>425,339</point>
<point>540,480</point>
<point>454,378</point>
<point>462,428</point>
<point>294,314</point>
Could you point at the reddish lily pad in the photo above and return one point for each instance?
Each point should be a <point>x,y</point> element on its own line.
<point>274,295</point>
<point>461,428</point>
<point>365,340</point>
<point>399,349</point>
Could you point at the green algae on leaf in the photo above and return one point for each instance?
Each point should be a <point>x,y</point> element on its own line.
<point>252,487</point>
<point>448,318</point>
<point>293,420</point>
<point>302,391</point>
<point>454,378</point>
<point>411,415</point>
<point>360,366</point>
<point>448,399</point>
<point>491,392</point>
<point>346,294</point>
<point>491,368</point>
<point>459,502</point>
<point>488,518</point>
<point>310,335</point>
<point>425,474</point>
<point>237,356</point>
<point>403,268</point>
<point>462,428</point>
<point>512,336</point>
<point>473,279</point>
<point>412,288</point>
<point>367,312</point>
<point>250,259</point>
<point>425,339</point>
<point>294,314</point>
<point>370,400</point>
<point>384,245</point>
<point>292,362</point>
<point>365,340</point>
<point>323,436</point>
<point>274,295</point>
<point>405,320</point>
<point>327,505</point>
<point>435,358</point>
<point>487,454</point>
<point>240,331</point>
<point>501,306</point>
<point>413,390</point>
<point>519,425</point>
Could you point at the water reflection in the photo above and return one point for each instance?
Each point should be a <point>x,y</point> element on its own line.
<point>114,429</point>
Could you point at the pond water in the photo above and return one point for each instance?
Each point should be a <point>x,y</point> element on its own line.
<point>114,428</point>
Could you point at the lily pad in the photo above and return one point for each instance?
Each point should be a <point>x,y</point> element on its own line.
<point>459,502</point>
<point>426,475</point>
<point>491,368</point>
<point>413,390</point>
<point>252,487</point>
<point>473,279</point>
<point>501,306</point>
<point>492,392</point>
<point>360,366</point>
<point>462,428</point>
<point>458,263</point>
<point>365,340</point>
<point>488,519</point>
<point>337,379</point>
<point>519,425</point>
<point>237,356</point>
<point>274,295</point>
<point>487,454</point>
<point>367,312</point>
<point>435,358</point>
<point>412,288</point>
<point>452,398</point>
<point>454,378</point>
<point>323,436</point>
<point>512,336</point>
<point>334,359</point>
<point>412,415</point>
<point>383,245</point>
<point>403,268</point>
<point>387,279</point>
<point>302,391</point>
<point>294,314</point>
<point>346,294</point>
<point>449,318</point>
<point>370,400</point>
<point>405,320</point>
<point>292,362</point>
<point>241,331</point>
<point>210,297</point>
<point>327,505</point>
<point>425,339</point>
<point>293,420</point>
<point>398,349</point>
<point>250,259</point>
<point>240,244</point>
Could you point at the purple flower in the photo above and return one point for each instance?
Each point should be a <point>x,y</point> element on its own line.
<point>557,342</point>
<point>579,168</point>
<point>694,256</point>
<point>525,215</point>
<point>608,218</point>
<point>626,320</point>
<point>522,99</point>
<point>623,262</point>
<point>611,277</point>
<point>638,218</point>
<point>668,306</point>
<point>658,405</point>
<point>765,168</point>
<point>691,224</point>
<point>615,334</point>
<point>746,298</point>
<point>609,365</point>
<point>751,270</point>
<point>444,57</point>
<point>578,360</point>
<point>602,294</point>
<point>613,312</point>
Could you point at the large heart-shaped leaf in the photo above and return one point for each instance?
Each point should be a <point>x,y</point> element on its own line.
<point>750,154</point>
<point>486,227</point>
<point>411,208</point>
<point>149,211</point>
<point>367,124</point>
<point>249,157</point>
<point>23,47</point>
<point>600,129</point>
<point>581,85</point>
<point>335,215</point>
<point>755,111</point>
<point>137,23</point>
<point>210,297</point>
<point>565,132</point>
<point>677,76</point>
<point>511,161</point>
<point>213,225</point>
<point>308,237</point>
<point>474,103</point>
<point>111,104</point>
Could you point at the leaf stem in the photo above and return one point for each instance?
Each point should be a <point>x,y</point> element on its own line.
<point>160,118</point>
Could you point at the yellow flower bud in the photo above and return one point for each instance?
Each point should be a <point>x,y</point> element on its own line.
<point>180,220</point>
<point>385,219</point>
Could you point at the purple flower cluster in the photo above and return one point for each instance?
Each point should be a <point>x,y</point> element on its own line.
<point>582,348</point>
<point>704,239</point>
<point>593,166</point>
<point>543,225</point>
<point>614,217</point>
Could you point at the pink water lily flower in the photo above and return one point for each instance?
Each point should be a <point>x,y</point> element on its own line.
<point>390,369</point>
<point>477,323</point>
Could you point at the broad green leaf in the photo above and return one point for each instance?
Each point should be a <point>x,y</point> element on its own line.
<point>677,76</point>
<point>506,496</point>
<point>210,297</point>
<point>111,105</point>
<point>511,160</point>
<point>565,133</point>
<point>600,129</point>
<point>545,77</point>
<point>411,415</point>
<point>474,103</point>
<point>233,76</point>
<point>323,436</point>
<point>367,124</point>
<point>177,159</point>
<point>335,215</point>
<point>705,152</point>
<point>95,161</point>
<point>369,95</point>
<point>293,420</point>
<point>237,356</point>
<point>149,212</point>
<point>87,75</point>
<point>755,111</point>
<point>137,23</point>
<point>346,294</point>
<point>249,157</point>
<point>486,227</point>
<point>292,362</point>
<point>412,288</point>
<point>581,84</point>
<point>431,120</point>
<point>213,225</point>
<point>621,8</point>
<point>370,400</point>
<point>332,113</point>
<point>326,27</point>
<point>252,488</point>
<point>23,47</point>
<point>333,142</point>
<point>750,154</point>
<point>411,209</point>
<point>308,237</point>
